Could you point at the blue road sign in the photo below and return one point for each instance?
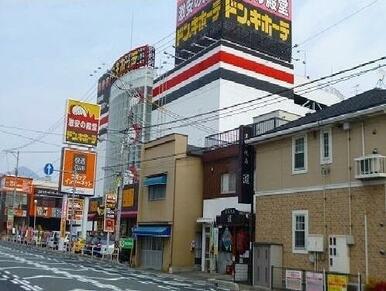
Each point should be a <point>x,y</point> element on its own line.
<point>48,169</point>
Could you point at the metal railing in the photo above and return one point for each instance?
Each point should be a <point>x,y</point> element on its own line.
<point>230,137</point>
<point>370,166</point>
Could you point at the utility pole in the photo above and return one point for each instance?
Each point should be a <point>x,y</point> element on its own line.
<point>14,188</point>
<point>119,196</point>
<point>72,205</point>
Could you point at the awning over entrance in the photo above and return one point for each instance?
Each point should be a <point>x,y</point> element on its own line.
<point>155,180</point>
<point>157,231</point>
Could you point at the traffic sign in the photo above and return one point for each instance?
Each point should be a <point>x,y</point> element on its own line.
<point>48,169</point>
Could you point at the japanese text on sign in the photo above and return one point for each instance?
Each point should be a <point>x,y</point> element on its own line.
<point>191,28</point>
<point>187,8</point>
<point>261,22</point>
<point>281,8</point>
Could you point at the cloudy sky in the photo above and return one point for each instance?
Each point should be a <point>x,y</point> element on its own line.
<point>49,48</point>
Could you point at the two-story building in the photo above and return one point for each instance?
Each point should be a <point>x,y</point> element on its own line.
<point>320,192</point>
<point>169,204</point>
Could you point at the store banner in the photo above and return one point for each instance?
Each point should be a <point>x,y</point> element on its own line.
<point>337,282</point>
<point>293,280</point>
<point>314,281</point>
<point>109,214</point>
<point>78,172</point>
<point>82,123</point>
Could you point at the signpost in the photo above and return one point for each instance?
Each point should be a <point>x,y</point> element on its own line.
<point>48,169</point>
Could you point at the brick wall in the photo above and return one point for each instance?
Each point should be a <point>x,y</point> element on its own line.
<point>274,224</point>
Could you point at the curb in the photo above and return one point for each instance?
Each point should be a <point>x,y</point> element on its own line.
<point>225,284</point>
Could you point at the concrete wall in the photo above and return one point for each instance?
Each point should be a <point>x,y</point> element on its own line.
<point>188,208</point>
<point>183,203</point>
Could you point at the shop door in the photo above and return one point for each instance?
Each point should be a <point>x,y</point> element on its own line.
<point>151,253</point>
<point>261,266</point>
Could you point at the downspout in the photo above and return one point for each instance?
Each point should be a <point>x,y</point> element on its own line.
<point>173,215</point>
<point>349,180</point>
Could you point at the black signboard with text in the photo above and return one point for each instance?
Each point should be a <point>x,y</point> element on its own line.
<point>245,183</point>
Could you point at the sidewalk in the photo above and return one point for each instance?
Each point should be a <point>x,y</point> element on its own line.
<point>221,280</point>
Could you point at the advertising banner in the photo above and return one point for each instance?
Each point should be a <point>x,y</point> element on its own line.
<point>262,25</point>
<point>78,172</point>
<point>143,56</point>
<point>82,123</point>
<point>128,198</point>
<point>63,218</point>
<point>109,219</point>
<point>293,280</point>
<point>75,207</point>
<point>337,282</point>
<point>9,183</point>
<point>314,281</point>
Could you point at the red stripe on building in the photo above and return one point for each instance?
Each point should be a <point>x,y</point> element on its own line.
<point>104,120</point>
<point>227,58</point>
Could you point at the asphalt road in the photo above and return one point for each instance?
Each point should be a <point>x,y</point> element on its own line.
<point>28,268</point>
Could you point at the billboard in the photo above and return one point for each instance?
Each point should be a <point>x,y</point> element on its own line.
<point>262,25</point>
<point>143,56</point>
<point>21,184</point>
<point>78,172</point>
<point>109,215</point>
<point>82,123</point>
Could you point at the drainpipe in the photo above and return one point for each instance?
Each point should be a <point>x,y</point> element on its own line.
<point>366,251</point>
<point>173,222</point>
<point>349,180</point>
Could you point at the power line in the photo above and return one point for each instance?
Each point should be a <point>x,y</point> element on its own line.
<point>335,24</point>
<point>272,94</point>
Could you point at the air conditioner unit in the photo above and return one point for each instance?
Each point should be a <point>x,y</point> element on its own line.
<point>370,166</point>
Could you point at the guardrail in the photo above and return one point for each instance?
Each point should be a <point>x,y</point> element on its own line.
<point>93,251</point>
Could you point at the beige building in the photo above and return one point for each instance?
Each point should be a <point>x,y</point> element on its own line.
<point>320,189</point>
<point>169,204</point>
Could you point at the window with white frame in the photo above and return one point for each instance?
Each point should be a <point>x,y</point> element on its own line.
<point>299,154</point>
<point>299,231</point>
<point>228,183</point>
<point>325,146</point>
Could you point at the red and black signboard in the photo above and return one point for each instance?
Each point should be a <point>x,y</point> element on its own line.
<point>263,25</point>
<point>143,56</point>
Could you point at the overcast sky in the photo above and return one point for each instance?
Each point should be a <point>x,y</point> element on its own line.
<point>48,49</point>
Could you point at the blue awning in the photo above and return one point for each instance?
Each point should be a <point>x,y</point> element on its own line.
<point>158,231</point>
<point>155,180</point>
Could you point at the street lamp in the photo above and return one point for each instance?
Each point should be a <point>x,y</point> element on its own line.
<point>35,203</point>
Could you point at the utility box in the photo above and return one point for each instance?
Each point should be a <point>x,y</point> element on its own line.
<point>315,243</point>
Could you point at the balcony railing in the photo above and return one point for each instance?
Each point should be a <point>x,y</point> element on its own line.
<point>226,138</point>
<point>370,167</point>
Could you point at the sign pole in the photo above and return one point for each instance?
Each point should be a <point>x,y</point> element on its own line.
<point>14,189</point>
<point>85,217</point>
<point>73,208</point>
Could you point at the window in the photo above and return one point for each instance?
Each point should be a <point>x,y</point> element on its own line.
<point>325,146</point>
<point>299,154</point>
<point>157,192</point>
<point>228,183</point>
<point>299,231</point>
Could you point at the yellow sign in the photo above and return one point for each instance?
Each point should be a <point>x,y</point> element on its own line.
<point>128,198</point>
<point>260,21</point>
<point>82,123</point>
<point>337,282</point>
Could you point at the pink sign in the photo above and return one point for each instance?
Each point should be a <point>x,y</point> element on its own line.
<point>187,8</point>
<point>281,8</point>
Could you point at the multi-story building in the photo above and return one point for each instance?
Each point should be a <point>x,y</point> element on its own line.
<point>170,202</point>
<point>320,190</point>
